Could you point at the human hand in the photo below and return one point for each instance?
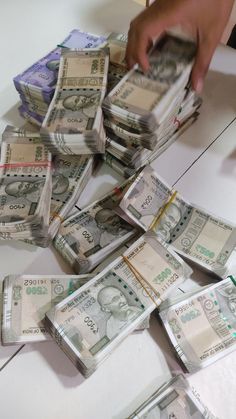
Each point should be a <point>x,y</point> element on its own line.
<point>205,20</point>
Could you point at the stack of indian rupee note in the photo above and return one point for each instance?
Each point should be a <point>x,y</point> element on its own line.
<point>50,189</point>
<point>145,113</point>
<point>173,400</point>
<point>87,237</point>
<point>74,121</point>
<point>26,299</point>
<point>25,189</point>
<point>201,325</point>
<point>202,238</point>
<point>36,85</point>
<point>116,42</point>
<point>89,324</point>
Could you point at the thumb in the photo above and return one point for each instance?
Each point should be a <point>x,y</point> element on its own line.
<point>202,62</point>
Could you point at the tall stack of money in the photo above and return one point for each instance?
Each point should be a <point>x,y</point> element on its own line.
<point>173,400</point>
<point>25,189</point>
<point>26,300</point>
<point>87,237</point>
<point>74,121</point>
<point>202,326</point>
<point>69,176</point>
<point>36,85</point>
<point>203,238</point>
<point>89,324</point>
<point>144,113</point>
<point>116,42</point>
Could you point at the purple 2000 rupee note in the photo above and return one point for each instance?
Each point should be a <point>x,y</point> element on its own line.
<point>78,39</point>
<point>41,77</point>
<point>39,80</point>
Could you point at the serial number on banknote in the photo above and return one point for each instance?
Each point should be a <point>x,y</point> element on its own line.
<point>35,282</point>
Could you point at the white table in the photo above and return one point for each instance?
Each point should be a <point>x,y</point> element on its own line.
<point>39,381</point>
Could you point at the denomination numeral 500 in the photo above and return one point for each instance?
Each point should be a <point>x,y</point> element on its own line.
<point>90,324</point>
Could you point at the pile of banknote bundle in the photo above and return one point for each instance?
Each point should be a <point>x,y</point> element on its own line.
<point>87,237</point>
<point>202,238</point>
<point>173,400</point>
<point>67,177</point>
<point>144,113</point>
<point>74,121</point>
<point>36,85</point>
<point>25,189</point>
<point>90,323</point>
<point>26,300</point>
<point>116,42</point>
<point>202,325</point>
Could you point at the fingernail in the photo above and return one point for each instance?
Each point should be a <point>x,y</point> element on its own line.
<point>199,86</point>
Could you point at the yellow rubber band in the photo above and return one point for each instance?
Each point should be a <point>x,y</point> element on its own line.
<point>56,215</point>
<point>161,212</point>
<point>140,279</point>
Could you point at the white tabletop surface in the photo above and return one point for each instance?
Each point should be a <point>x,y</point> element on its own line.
<point>39,381</point>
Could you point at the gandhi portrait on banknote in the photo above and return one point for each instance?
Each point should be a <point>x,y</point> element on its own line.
<point>111,226</point>
<point>25,188</point>
<point>53,65</point>
<point>229,302</point>
<point>87,104</point>
<point>163,69</point>
<point>168,221</point>
<point>60,184</point>
<point>114,302</point>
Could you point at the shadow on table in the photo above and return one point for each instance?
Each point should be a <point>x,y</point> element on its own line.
<point>58,362</point>
<point>228,166</point>
<point>159,335</point>
<point>217,111</point>
<point>17,245</point>
<point>113,15</point>
<point>11,116</point>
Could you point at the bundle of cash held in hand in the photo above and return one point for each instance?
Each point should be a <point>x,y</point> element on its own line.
<point>201,237</point>
<point>143,100</point>
<point>26,299</point>
<point>202,326</point>
<point>148,112</point>
<point>36,85</point>
<point>89,324</point>
<point>173,400</point>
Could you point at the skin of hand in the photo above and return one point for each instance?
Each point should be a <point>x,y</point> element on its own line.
<point>204,20</point>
